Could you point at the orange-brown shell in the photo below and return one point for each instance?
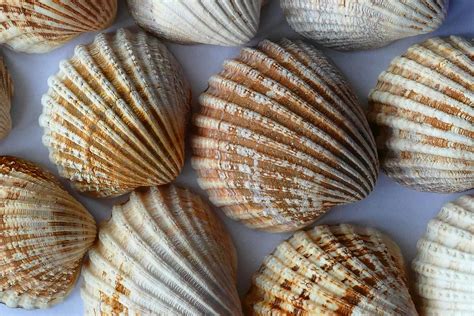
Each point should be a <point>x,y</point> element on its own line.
<point>6,92</point>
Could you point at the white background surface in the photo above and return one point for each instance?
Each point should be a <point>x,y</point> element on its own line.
<point>398,211</point>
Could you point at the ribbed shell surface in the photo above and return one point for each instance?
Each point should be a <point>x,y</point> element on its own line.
<point>444,264</point>
<point>363,24</point>
<point>114,117</point>
<point>281,138</point>
<point>44,234</point>
<point>332,270</point>
<point>223,22</point>
<point>162,253</point>
<point>38,26</point>
<point>6,92</point>
<point>422,112</point>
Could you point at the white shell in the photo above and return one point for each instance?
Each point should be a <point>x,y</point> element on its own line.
<point>223,22</point>
<point>115,115</point>
<point>162,253</point>
<point>363,24</point>
<point>422,111</point>
<point>444,264</point>
<point>6,92</point>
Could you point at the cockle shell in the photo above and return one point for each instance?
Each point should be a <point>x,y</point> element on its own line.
<point>114,117</point>
<point>6,92</point>
<point>281,138</point>
<point>444,264</point>
<point>44,234</point>
<point>422,111</point>
<point>40,26</point>
<point>363,24</point>
<point>332,270</point>
<point>223,22</point>
<point>162,253</point>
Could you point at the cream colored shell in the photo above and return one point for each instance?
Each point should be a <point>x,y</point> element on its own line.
<point>332,270</point>
<point>223,22</point>
<point>114,117</point>
<point>281,138</point>
<point>363,24</point>
<point>162,253</point>
<point>422,111</point>
<point>444,264</point>
<point>44,234</point>
<point>6,92</point>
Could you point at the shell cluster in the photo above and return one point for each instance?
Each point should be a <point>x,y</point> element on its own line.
<point>6,92</point>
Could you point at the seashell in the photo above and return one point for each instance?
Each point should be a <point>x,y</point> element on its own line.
<point>114,117</point>
<point>281,138</point>
<point>6,92</point>
<point>332,270</point>
<point>162,253</point>
<point>363,24</point>
<point>444,264</point>
<point>422,111</point>
<point>44,234</point>
<point>40,26</point>
<point>223,22</point>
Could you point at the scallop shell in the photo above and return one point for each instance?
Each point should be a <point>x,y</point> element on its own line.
<point>281,138</point>
<point>44,234</point>
<point>6,92</point>
<point>162,253</point>
<point>40,26</point>
<point>332,270</point>
<point>363,24</point>
<point>444,264</point>
<point>115,115</point>
<point>422,110</point>
<point>223,22</point>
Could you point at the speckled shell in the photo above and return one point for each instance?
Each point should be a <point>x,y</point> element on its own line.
<point>115,115</point>
<point>44,234</point>
<point>444,264</point>
<point>281,138</point>
<point>6,92</point>
<point>40,26</point>
<point>223,22</point>
<point>162,253</point>
<point>332,270</point>
<point>422,111</point>
<point>363,24</point>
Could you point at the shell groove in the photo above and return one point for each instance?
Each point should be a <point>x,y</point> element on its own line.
<point>363,24</point>
<point>40,26</point>
<point>422,111</point>
<point>44,234</point>
<point>444,264</point>
<point>6,92</point>
<point>281,138</point>
<point>115,115</point>
<point>332,270</point>
<point>223,22</point>
<point>162,253</point>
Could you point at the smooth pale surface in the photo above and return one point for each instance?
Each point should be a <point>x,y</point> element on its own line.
<point>400,212</point>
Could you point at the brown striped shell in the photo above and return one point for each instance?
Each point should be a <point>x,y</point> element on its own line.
<point>6,92</point>
<point>44,234</point>
<point>332,270</point>
<point>422,112</point>
<point>281,138</point>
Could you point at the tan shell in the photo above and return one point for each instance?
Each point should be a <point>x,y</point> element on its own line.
<point>44,234</point>
<point>40,26</point>
<point>6,92</point>
<point>162,253</point>
<point>332,270</point>
<point>422,111</point>
<point>281,138</point>
<point>115,115</point>
<point>444,264</point>
<point>363,24</point>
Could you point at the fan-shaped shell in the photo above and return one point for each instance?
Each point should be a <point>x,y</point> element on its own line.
<point>223,22</point>
<point>363,24</point>
<point>332,270</point>
<point>6,92</point>
<point>281,138</point>
<point>40,26</point>
<point>44,234</point>
<point>422,111</point>
<point>114,117</point>
<point>162,253</point>
<point>444,264</point>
